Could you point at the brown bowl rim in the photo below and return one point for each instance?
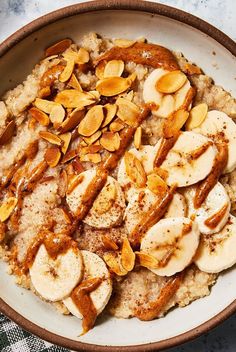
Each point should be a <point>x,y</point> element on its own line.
<point>134,5</point>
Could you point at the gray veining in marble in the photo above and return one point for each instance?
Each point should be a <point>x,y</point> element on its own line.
<point>222,14</point>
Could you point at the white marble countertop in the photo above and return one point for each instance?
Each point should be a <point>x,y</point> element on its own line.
<point>222,14</point>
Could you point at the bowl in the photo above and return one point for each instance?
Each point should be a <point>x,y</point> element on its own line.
<point>215,53</point>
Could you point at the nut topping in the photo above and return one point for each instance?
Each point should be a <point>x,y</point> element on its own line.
<point>138,137</point>
<point>110,141</point>
<point>93,158</point>
<point>93,138</point>
<point>51,138</point>
<point>156,184</point>
<point>7,208</point>
<point>135,170</point>
<point>40,116</point>
<point>171,82</point>
<point>114,68</point>
<point>113,85</point>
<point>110,112</point>
<point>174,123</point>
<point>8,132</point>
<point>58,48</point>
<point>147,260</point>
<point>127,256</point>
<point>57,115</point>
<point>68,70</point>
<point>124,43</point>
<point>52,156</point>
<point>128,111</point>
<point>113,262</point>
<point>92,121</point>
<point>72,120</point>
<point>72,98</point>
<point>105,199</point>
<point>66,138</point>
<point>196,116</point>
<point>74,83</point>
<point>45,105</point>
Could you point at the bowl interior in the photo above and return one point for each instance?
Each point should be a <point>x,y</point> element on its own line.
<point>218,63</point>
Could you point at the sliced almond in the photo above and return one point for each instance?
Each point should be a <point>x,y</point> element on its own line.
<point>83,143</point>
<point>71,154</point>
<point>94,94</point>
<point>135,170</point>
<point>161,172</point>
<point>147,260</point>
<point>63,183</point>
<point>72,98</point>
<point>174,123</point>
<point>52,156</point>
<point>114,264</point>
<point>66,138</point>
<point>8,132</point>
<point>113,85</point>
<point>124,43</point>
<point>105,199</point>
<point>171,82</point>
<point>72,120</point>
<point>93,158</point>
<point>45,105</point>
<point>79,57</point>
<point>40,116</point>
<point>130,95</point>
<point>57,115</point>
<point>90,149</point>
<point>114,68</point>
<point>116,126</point>
<point>138,137</point>
<point>7,208</point>
<point>110,112</point>
<point>74,83</point>
<point>92,121</point>
<point>109,244</point>
<point>156,184</point>
<point>110,141</point>
<point>93,138</point>
<point>128,111</point>
<point>58,48</point>
<point>77,166</point>
<point>51,138</point>
<point>51,75</point>
<point>196,116</point>
<point>68,70</point>
<point>74,181</point>
<point>44,92</point>
<point>99,71</point>
<point>32,150</point>
<point>127,256</point>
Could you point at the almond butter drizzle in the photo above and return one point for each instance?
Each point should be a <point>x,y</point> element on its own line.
<point>155,307</point>
<point>195,154</point>
<point>205,186</point>
<point>144,54</point>
<point>80,296</point>
<point>216,218</point>
<point>165,147</point>
<point>51,75</point>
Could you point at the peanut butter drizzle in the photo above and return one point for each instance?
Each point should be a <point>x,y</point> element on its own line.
<point>199,151</point>
<point>156,307</point>
<point>165,147</point>
<point>216,218</point>
<point>205,186</point>
<point>150,218</point>
<point>80,296</point>
<point>144,54</point>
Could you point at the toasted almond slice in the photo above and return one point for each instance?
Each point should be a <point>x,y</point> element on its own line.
<point>114,68</point>
<point>171,82</point>
<point>44,92</point>
<point>84,144</point>
<point>135,170</point>
<point>99,71</point>
<point>83,56</point>
<point>116,126</point>
<point>72,98</point>
<point>105,199</point>
<point>57,115</point>
<point>71,154</point>
<point>128,111</point>
<point>72,120</point>
<point>113,85</point>
<point>192,69</point>
<point>161,172</point>
<point>110,141</point>
<point>40,116</point>
<point>32,123</point>
<point>51,138</point>
<point>130,95</point>
<point>174,123</point>
<point>66,138</point>
<point>92,121</point>
<point>127,256</point>
<point>45,105</point>
<point>74,181</point>
<point>114,264</point>
<point>196,116</point>
<point>77,166</point>
<point>147,260</point>
<point>92,157</point>
<point>93,138</point>
<point>156,184</point>
<point>109,244</point>
<point>8,132</point>
<point>63,183</point>
<point>138,137</point>
<point>58,48</point>
<point>74,83</point>
<point>94,94</point>
<point>7,208</point>
<point>110,112</point>
<point>89,149</point>
<point>124,43</point>
<point>51,75</point>
<point>68,70</point>
<point>52,156</point>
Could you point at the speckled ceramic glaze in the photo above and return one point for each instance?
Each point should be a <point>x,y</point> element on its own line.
<point>168,27</point>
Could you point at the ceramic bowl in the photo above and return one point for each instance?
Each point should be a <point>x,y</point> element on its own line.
<point>201,43</point>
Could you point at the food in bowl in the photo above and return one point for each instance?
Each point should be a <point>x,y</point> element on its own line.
<point>117,179</point>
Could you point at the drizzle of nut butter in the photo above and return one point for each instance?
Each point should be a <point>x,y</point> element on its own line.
<point>216,218</point>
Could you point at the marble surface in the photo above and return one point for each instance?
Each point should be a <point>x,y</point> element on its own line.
<point>222,14</point>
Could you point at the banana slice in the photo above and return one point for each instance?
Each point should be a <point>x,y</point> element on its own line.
<point>217,252</point>
<point>146,154</point>
<point>142,201</point>
<point>55,279</point>
<point>184,169</point>
<point>214,212</point>
<point>218,123</point>
<point>173,243</point>
<point>167,103</point>
<point>108,208</point>
<point>94,266</point>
